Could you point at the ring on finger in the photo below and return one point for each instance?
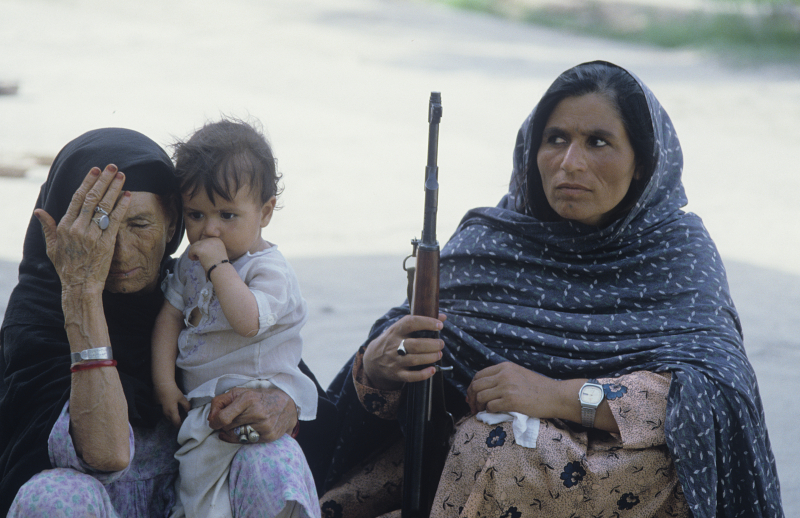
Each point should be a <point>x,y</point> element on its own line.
<point>247,434</point>
<point>100,210</point>
<point>102,221</point>
<point>239,430</point>
<point>251,435</point>
<point>401,349</point>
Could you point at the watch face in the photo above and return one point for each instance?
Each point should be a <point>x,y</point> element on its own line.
<point>591,395</point>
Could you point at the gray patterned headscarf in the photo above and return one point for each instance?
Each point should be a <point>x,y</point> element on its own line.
<point>646,292</point>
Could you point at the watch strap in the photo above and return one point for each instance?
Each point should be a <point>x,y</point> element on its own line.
<point>587,416</point>
<point>588,412</point>
<point>98,353</point>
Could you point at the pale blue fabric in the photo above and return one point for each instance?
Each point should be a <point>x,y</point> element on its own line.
<point>265,478</point>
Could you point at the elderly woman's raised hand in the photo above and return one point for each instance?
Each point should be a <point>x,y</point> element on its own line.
<point>79,248</point>
<point>271,412</point>
<point>388,370</point>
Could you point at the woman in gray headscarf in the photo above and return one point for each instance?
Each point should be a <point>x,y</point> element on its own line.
<point>593,315</point>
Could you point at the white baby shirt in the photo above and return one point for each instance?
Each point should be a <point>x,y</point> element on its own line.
<point>213,358</point>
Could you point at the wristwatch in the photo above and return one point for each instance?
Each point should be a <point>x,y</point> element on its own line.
<point>590,396</point>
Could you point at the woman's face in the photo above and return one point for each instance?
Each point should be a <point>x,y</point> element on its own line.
<point>585,159</point>
<point>142,238</point>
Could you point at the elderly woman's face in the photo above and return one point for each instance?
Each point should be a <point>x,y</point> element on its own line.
<point>585,159</point>
<point>142,238</point>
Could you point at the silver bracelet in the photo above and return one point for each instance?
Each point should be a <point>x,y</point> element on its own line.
<point>98,353</point>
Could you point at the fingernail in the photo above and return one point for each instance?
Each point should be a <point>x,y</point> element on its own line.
<point>127,194</point>
<point>119,176</point>
<point>439,325</point>
<point>112,168</point>
<point>95,171</point>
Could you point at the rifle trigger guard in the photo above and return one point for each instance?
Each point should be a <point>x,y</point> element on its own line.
<point>406,268</point>
<point>415,245</point>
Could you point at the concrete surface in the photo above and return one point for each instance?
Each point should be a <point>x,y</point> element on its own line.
<point>347,294</point>
<point>341,87</point>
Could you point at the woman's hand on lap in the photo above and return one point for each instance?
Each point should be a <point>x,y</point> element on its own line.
<point>508,387</point>
<point>271,412</point>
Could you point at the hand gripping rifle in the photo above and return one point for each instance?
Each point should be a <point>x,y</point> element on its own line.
<point>428,424</point>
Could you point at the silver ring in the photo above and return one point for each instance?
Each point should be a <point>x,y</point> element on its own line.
<point>401,349</point>
<point>252,435</point>
<point>247,434</point>
<point>242,436</point>
<point>100,210</point>
<point>102,221</point>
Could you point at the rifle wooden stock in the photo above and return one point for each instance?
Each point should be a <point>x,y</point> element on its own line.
<point>425,301</point>
<point>428,425</point>
<point>418,490</point>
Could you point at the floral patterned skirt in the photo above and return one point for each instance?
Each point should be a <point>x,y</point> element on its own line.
<point>571,472</point>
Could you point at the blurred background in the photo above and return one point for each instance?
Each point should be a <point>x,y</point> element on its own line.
<point>738,31</point>
<point>341,89</point>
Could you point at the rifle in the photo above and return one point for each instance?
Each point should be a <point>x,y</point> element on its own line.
<point>428,424</point>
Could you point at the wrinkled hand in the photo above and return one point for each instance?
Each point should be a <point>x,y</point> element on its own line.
<point>271,412</point>
<point>508,387</point>
<point>80,251</point>
<point>388,370</point>
<point>209,251</point>
<point>172,401</point>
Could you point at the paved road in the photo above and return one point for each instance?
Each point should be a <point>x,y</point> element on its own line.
<point>342,86</point>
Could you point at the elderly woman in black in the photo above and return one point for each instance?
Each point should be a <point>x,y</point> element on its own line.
<point>80,431</point>
<point>598,359</point>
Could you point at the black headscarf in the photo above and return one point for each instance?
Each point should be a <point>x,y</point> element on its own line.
<point>34,342</point>
<point>646,292</point>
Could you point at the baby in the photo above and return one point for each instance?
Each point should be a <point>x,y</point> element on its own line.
<point>232,315</point>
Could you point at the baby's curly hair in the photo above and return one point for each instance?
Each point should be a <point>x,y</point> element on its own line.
<point>223,157</point>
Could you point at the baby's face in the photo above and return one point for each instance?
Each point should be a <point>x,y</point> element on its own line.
<point>237,223</point>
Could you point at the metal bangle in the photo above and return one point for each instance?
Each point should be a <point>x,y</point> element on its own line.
<point>97,353</point>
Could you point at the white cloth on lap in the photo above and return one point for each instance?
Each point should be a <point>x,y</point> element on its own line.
<point>526,429</point>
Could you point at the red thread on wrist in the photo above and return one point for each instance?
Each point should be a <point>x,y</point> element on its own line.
<point>296,430</point>
<point>93,364</point>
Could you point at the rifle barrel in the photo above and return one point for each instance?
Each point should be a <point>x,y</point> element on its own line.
<point>431,170</point>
